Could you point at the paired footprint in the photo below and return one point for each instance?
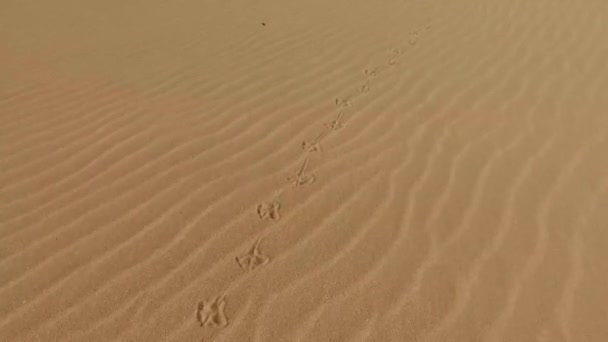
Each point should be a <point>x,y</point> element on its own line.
<point>311,146</point>
<point>413,38</point>
<point>372,72</point>
<point>335,124</point>
<point>314,145</point>
<point>211,313</point>
<point>364,88</point>
<point>343,102</point>
<point>269,210</point>
<point>395,54</point>
<point>300,179</point>
<point>253,258</point>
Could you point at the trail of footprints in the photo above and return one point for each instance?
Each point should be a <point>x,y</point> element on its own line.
<point>210,313</point>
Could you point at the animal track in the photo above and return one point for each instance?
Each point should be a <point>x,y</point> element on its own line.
<point>371,73</point>
<point>336,124</point>
<point>269,210</point>
<point>211,313</point>
<point>396,52</point>
<point>413,38</point>
<point>313,146</point>
<point>300,179</point>
<point>343,102</point>
<point>364,88</point>
<point>310,147</point>
<point>253,258</point>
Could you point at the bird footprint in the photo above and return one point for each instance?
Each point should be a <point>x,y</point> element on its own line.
<point>413,38</point>
<point>371,73</point>
<point>312,146</point>
<point>269,210</point>
<point>336,124</point>
<point>211,313</point>
<point>253,259</point>
<point>343,102</point>
<point>300,179</point>
<point>364,88</point>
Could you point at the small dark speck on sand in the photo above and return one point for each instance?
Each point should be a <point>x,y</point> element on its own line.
<point>263,24</point>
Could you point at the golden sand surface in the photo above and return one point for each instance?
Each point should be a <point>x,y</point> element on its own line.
<point>320,170</point>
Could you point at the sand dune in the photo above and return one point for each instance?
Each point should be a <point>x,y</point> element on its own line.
<point>417,170</point>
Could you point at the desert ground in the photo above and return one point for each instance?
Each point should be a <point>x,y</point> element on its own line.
<point>319,170</point>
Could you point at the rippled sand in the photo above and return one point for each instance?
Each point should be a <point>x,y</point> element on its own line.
<point>275,170</point>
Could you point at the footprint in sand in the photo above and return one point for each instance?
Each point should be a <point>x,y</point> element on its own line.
<point>343,102</point>
<point>364,88</point>
<point>300,179</point>
<point>336,124</point>
<point>395,52</point>
<point>211,313</point>
<point>253,259</point>
<point>311,146</point>
<point>413,38</point>
<point>269,210</point>
<point>371,72</point>
<point>314,145</point>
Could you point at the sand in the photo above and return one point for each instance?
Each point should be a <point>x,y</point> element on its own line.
<point>273,170</point>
